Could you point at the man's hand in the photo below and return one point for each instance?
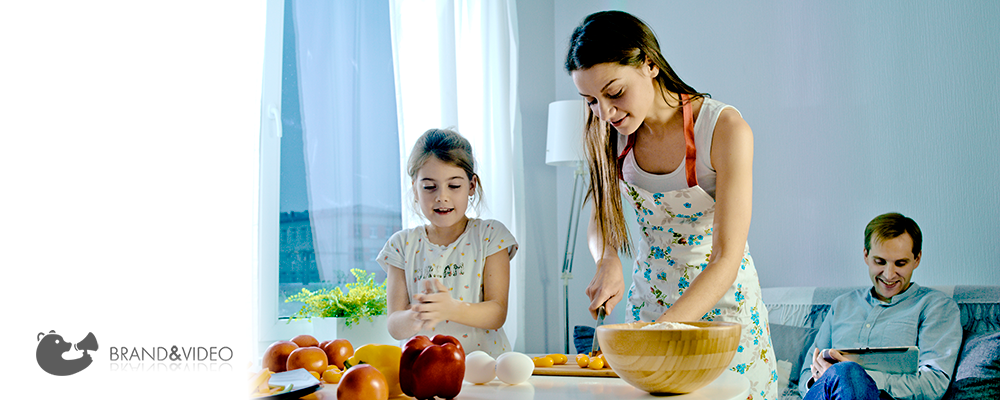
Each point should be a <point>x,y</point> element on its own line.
<point>822,360</point>
<point>607,287</point>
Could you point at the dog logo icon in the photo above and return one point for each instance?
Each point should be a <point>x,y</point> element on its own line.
<point>51,348</point>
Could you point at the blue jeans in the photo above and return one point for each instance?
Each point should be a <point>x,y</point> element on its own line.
<point>844,380</point>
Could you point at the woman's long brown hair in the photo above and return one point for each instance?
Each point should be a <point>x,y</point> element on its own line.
<point>621,38</point>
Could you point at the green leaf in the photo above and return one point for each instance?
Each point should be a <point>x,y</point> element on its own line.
<point>364,298</point>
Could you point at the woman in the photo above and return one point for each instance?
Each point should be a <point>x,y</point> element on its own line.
<point>685,161</point>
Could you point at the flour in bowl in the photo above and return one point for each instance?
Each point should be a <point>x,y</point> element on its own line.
<point>669,325</point>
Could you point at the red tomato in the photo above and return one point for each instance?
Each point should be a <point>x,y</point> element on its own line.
<point>311,358</point>
<point>305,341</point>
<point>276,355</point>
<point>338,351</point>
<point>362,382</point>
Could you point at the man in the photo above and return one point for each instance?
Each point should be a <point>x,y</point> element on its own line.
<point>893,312</point>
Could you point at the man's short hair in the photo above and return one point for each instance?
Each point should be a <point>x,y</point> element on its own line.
<point>889,226</point>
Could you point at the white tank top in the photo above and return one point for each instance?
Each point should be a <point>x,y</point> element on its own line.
<point>704,128</point>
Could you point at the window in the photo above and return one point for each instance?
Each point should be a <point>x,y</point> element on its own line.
<point>330,176</point>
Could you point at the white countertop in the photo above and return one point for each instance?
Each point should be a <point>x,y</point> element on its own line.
<point>730,385</point>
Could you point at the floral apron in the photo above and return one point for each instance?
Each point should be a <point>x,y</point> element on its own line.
<point>676,245</point>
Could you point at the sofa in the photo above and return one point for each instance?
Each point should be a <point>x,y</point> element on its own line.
<point>795,314</point>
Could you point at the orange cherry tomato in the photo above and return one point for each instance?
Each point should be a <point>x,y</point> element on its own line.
<point>332,375</point>
<point>558,359</point>
<point>543,362</point>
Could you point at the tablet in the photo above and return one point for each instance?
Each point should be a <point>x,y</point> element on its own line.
<point>893,360</point>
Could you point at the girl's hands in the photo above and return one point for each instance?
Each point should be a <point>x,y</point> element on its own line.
<point>607,287</point>
<point>433,304</point>
<point>412,323</point>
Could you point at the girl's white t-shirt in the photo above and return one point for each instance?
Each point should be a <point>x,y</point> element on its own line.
<point>459,266</point>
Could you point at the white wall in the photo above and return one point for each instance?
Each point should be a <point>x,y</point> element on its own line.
<point>858,108</point>
<point>128,171</point>
<point>539,248</point>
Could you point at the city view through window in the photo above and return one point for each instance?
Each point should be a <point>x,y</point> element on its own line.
<point>340,167</point>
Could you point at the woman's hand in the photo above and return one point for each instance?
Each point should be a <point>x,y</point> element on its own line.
<point>607,287</point>
<point>665,318</point>
<point>434,304</point>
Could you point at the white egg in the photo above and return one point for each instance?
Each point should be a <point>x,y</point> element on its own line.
<point>514,368</point>
<point>479,367</point>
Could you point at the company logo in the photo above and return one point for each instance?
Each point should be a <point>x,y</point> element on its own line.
<point>51,348</point>
<point>176,358</point>
<point>202,354</point>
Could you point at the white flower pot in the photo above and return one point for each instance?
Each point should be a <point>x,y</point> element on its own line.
<point>359,334</point>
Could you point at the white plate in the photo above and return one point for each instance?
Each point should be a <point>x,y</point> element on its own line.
<point>301,380</point>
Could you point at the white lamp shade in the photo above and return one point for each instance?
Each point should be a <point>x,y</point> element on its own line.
<point>564,144</point>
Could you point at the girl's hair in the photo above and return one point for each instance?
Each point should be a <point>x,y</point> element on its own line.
<point>621,38</point>
<point>451,148</point>
<point>890,226</point>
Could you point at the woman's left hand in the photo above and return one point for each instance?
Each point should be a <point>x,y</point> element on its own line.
<point>434,304</point>
<point>664,318</point>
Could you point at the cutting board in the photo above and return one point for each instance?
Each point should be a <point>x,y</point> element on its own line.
<point>571,369</point>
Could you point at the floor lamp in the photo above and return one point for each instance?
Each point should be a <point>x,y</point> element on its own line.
<point>564,147</point>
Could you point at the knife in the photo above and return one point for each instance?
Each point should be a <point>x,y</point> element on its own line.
<point>600,321</point>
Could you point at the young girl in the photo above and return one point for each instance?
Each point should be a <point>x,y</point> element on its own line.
<point>450,276</point>
<point>685,162</point>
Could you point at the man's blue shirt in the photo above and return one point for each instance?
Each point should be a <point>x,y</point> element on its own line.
<point>920,316</point>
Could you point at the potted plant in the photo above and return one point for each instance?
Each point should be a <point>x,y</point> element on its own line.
<point>359,314</point>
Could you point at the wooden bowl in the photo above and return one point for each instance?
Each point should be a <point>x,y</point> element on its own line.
<point>669,360</point>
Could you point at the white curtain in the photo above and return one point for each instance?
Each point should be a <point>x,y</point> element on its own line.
<point>456,67</point>
<point>345,88</point>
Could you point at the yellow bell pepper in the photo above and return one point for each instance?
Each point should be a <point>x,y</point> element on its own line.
<point>385,358</point>
<point>258,382</point>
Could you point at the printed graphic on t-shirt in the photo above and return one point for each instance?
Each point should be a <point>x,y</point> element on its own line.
<point>435,271</point>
